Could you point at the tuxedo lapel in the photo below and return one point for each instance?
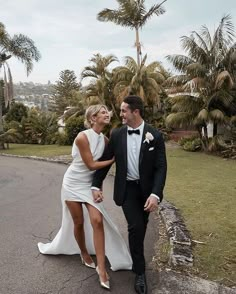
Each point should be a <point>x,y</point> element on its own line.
<point>124,145</point>
<point>142,147</point>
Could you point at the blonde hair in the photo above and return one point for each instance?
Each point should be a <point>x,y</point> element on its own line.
<point>91,111</point>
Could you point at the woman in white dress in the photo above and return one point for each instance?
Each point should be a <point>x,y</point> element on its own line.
<point>86,227</point>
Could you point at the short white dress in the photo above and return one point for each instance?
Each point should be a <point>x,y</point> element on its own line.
<point>76,186</point>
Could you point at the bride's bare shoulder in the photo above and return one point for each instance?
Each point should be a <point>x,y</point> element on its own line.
<point>81,138</point>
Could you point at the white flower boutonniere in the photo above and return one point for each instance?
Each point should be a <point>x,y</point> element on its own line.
<point>148,137</point>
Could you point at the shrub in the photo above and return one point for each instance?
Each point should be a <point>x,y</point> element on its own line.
<point>62,139</point>
<point>73,126</point>
<point>16,112</point>
<point>183,140</point>
<point>192,144</point>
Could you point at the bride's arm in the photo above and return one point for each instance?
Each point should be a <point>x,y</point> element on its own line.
<point>82,143</point>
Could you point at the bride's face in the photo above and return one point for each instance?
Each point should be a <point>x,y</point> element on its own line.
<point>103,117</point>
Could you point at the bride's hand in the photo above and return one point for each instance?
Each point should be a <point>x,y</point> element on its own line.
<point>97,196</point>
<point>113,159</point>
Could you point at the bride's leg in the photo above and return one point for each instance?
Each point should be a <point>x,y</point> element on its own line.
<point>76,212</point>
<point>96,219</point>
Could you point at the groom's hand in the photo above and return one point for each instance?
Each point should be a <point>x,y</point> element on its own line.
<point>97,195</point>
<point>151,204</point>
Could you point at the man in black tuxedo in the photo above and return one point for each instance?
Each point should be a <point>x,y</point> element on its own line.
<point>141,167</point>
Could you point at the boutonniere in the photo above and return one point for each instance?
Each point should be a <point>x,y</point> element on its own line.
<point>148,137</point>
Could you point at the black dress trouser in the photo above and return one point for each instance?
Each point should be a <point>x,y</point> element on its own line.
<point>137,219</point>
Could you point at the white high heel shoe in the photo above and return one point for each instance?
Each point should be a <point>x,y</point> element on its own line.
<point>105,285</point>
<point>90,265</point>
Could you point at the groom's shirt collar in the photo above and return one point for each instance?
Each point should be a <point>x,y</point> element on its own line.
<point>140,128</point>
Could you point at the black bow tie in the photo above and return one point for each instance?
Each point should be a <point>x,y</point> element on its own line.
<point>130,132</point>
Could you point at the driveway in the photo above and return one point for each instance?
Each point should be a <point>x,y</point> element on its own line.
<point>30,211</point>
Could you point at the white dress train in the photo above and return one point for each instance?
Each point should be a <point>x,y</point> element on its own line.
<point>76,186</point>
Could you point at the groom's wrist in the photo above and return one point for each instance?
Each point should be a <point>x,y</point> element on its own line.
<point>95,188</point>
<point>158,198</point>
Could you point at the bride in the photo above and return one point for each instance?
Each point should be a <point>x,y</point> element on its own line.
<point>86,227</point>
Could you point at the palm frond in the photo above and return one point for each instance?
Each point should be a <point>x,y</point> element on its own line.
<point>176,81</point>
<point>119,87</point>
<point>131,63</point>
<point>114,16</point>
<point>195,52</point>
<point>179,61</point>
<point>217,116</point>
<point>156,9</point>
<point>224,80</point>
<point>203,116</point>
<point>158,77</point>
<point>179,120</point>
<point>132,14</point>
<point>196,69</point>
<point>224,34</point>
<point>89,73</point>
<point>24,49</point>
<point>185,103</point>
<point>220,97</point>
<point>233,119</point>
<point>207,37</point>
<point>203,43</point>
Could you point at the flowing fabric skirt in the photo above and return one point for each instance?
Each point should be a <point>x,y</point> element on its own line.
<point>64,242</point>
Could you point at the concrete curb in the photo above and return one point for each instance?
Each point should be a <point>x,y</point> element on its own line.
<point>178,234</point>
<point>171,282</point>
<point>59,159</point>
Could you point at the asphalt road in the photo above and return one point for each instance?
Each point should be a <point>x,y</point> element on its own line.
<point>30,211</point>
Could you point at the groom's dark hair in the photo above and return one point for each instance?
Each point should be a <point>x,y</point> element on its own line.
<point>135,102</point>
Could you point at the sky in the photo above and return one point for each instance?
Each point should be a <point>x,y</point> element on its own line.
<point>67,33</point>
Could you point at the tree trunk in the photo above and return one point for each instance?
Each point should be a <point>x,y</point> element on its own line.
<point>214,129</point>
<point>1,126</point>
<point>138,47</point>
<point>1,122</point>
<point>205,141</point>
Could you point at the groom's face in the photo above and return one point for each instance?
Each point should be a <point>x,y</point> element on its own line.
<point>126,114</point>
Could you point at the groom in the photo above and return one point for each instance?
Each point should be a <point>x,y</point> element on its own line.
<point>141,166</point>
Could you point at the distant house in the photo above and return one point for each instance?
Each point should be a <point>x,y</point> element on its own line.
<point>61,121</point>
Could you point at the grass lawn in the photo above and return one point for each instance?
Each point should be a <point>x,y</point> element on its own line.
<point>203,187</point>
<point>37,150</point>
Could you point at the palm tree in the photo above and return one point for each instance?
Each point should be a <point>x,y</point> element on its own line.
<point>202,92</point>
<point>142,80</point>
<point>132,14</point>
<point>20,47</point>
<point>101,80</point>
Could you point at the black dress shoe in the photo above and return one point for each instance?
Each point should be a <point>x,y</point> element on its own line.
<point>140,284</point>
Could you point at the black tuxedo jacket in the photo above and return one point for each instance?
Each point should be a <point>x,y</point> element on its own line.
<point>152,163</point>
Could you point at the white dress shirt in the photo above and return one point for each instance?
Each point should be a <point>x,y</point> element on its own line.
<point>134,142</point>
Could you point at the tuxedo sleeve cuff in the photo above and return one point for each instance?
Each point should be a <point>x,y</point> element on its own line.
<point>158,198</point>
<point>95,188</point>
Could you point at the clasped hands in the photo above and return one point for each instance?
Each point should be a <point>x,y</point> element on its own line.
<point>97,196</point>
